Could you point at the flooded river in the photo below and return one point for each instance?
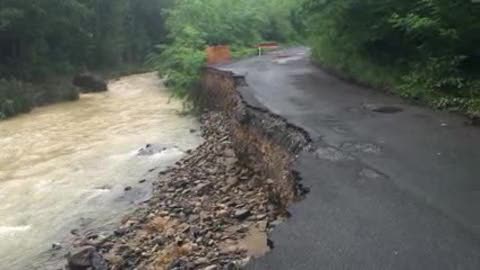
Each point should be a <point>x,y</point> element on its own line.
<point>67,165</point>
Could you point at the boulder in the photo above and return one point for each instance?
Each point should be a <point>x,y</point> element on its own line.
<point>90,83</point>
<point>151,149</point>
<point>86,258</point>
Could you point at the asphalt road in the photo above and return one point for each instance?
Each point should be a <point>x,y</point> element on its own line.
<point>396,190</point>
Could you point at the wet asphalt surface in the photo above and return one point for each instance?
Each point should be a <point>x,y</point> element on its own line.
<point>392,185</point>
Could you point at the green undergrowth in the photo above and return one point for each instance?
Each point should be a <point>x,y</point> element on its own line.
<point>20,97</point>
<point>424,50</point>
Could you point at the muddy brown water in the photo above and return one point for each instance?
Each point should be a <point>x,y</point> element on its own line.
<point>67,165</point>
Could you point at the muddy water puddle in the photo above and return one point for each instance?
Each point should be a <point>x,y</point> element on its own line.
<point>255,242</point>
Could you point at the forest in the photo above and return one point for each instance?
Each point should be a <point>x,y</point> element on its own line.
<point>425,50</point>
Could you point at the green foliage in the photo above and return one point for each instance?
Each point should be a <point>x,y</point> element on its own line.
<point>45,37</point>
<point>429,47</point>
<point>19,97</point>
<point>195,24</point>
<point>13,98</point>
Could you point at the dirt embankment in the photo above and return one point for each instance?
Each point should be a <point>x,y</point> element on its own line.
<point>262,140</point>
<point>215,208</point>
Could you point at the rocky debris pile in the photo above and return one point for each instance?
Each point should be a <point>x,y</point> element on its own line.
<point>201,213</point>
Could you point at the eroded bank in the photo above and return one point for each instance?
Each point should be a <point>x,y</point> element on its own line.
<point>215,208</point>
<point>264,142</point>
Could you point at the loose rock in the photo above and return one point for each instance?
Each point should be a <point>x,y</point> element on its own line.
<point>242,213</point>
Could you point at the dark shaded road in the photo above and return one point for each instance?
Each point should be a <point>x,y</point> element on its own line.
<point>388,190</point>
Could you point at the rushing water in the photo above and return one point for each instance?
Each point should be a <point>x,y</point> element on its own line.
<point>68,164</point>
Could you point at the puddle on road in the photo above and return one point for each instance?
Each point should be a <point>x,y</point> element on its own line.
<point>287,59</point>
<point>255,242</point>
<point>367,148</point>
<point>386,109</point>
<point>370,174</point>
<point>331,154</point>
<point>284,58</point>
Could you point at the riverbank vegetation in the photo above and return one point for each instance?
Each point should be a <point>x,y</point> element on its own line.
<point>427,50</point>
<point>195,24</point>
<point>44,42</point>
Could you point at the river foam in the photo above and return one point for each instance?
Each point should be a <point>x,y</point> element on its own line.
<point>10,230</point>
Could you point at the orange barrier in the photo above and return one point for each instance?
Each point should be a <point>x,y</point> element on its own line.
<point>265,46</point>
<point>218,54</point>
<point>268,45</point>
